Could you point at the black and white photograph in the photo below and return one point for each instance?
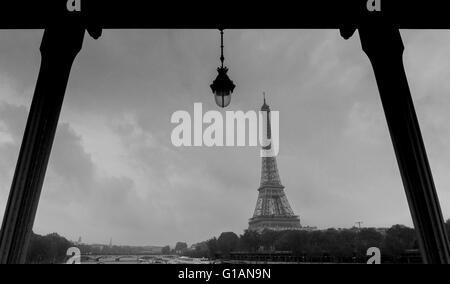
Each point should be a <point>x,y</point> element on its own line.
<point>146,141</point>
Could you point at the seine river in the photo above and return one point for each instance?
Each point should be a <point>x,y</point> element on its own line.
<point>140,259</point>
<point>161,259</point>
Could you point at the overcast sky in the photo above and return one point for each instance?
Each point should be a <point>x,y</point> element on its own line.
<point>114,173</point>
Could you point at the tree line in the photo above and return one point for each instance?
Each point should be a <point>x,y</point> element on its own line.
<point>394,243</point>
<point>50,248</point>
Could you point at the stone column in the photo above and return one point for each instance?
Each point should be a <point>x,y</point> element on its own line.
<point>384,47</point>
<point>59,48</point>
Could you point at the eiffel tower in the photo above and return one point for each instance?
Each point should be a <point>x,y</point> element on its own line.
<point>272,210</point>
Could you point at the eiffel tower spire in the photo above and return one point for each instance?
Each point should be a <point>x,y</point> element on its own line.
<point>272,210</point>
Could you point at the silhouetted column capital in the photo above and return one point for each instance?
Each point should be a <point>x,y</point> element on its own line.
<point>64,43</point>
<point>381,41</point>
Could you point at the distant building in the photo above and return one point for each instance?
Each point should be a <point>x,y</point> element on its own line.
<point>97,247</point>
<point>308,228</point>
<point>382,231</point>
<point>79,242</point>
<point>152,250</point>
<point>200,246</point>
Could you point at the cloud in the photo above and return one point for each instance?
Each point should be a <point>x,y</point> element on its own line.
<point>113,172</point>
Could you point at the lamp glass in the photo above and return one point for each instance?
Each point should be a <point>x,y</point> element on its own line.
<point>222,99</point>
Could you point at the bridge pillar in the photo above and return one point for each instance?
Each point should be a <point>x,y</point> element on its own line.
<point>384,47</point>
<point>59,48</point>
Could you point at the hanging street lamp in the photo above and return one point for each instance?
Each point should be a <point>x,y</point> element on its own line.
<point>222,87</point>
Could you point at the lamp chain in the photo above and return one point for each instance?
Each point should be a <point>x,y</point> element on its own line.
<point>222,58</point>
